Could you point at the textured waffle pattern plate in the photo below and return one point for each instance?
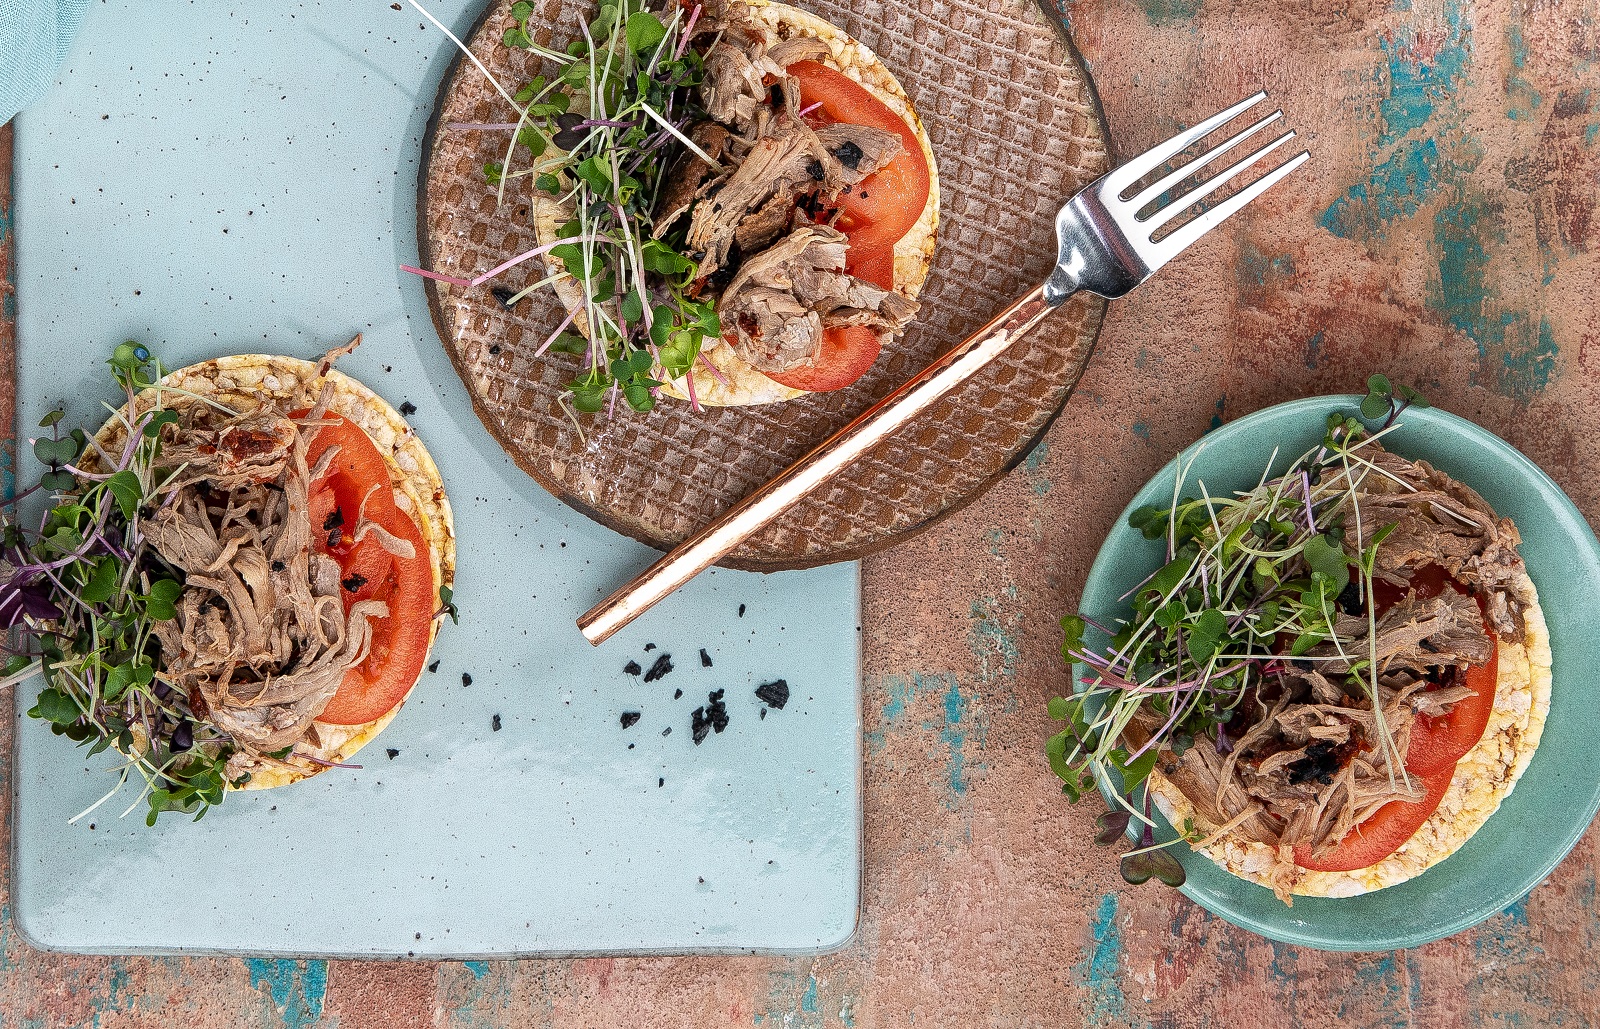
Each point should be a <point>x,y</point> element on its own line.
<point>1016,130</point>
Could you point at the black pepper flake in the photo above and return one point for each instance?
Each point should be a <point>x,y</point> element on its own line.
<point>774,694</point>
<point>741,610</point>
<point>632,668</point>
<point>763,714</point>
<point>433,667</point>
<point>667,731</point>
<point>466,679</point>
<point>354,583</point>
<point>494,723</point>
<point>393,753</point>
<point>408,409</point>
<point>494,349</point>
<point>278,566</point>
<point>816,171</point>
<point>849,154</point>
<point>661,782</point>
<point>660,669</point>
<point>1320,764</point>
<point>630,719</point>
<point>705,659</point>
<point>333,538</point>
<point>648,647</point>
<point>334,520</point>
<point>502,294</point>
<point>677,694</point>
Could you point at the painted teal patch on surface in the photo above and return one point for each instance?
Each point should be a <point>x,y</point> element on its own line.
<point>1141,430</point>
<point>957,720</point>
<point>955,739</point>
<point>1033,468</point>
<point>1099,969</point>
<point>1398,188</point>
<point>1521,96</point>
<point>1517,355</point>
<point>1378,980</point>
<point>479,969</point>
<point>808,999</point>
<point>1256,268</point>
<point>1314,349</point>
<point>1411,170</point>
<point>297,989</point>
<point>989,638</point>
<point>1171,12</point>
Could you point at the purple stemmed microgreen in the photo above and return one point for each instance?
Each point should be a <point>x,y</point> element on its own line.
<point>1249,582</point>
<point>83,591</point>
<point>597,133</point>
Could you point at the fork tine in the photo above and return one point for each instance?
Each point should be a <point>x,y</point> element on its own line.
<point>1168,248</point>
<point>1178,205</point>
<point>1166,182</point>
<point>1147,162</point>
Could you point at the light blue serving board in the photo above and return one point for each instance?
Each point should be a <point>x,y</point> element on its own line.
<point>209,179</point>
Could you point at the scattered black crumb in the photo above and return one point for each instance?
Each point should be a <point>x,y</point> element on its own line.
<point>630,746</point>
<point>849,154</point>
<point>677,694</point>
<point>660,669</point>
<point>433,666</point>
<point>702,879</point>
<point>648,647</point>
<point>419,936</point>
<point>273,808</point>
<point>494,723</point>
<point>502,294</point>
<point>741,610</point>
<point>1320,764</point>
<point>661,781</point>
<point>630,719</point>
<point>711,718</point>
<point>667,731</point>
<point>333,538</point>
<point>354,582</point>
<point>466,679</point>
<point>334,520</point>
<point>705,659</point>
<point>774,694</point>
<point>408,409</point>
<point>763,714</point>
<point>632,668</point>
<point>393,753</point>
<point>91,826</point>
<point>397,7</point>
<point>494,349</point>
<point>278,566</point>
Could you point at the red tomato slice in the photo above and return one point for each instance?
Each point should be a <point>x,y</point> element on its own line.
<point>1381,834</point>
<point>883,206</point>
<point>844,356</point>
<point>1437,743</point>
<point>400,641</point>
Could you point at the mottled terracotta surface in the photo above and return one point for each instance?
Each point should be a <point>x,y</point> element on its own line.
<point>1448,235</point>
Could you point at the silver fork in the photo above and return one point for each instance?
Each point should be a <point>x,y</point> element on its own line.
<point>1104,247</point>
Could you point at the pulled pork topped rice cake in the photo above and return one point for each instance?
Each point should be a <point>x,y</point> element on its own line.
<point>1304,774</point>
<point>262,638</point>
<point>781,276</point>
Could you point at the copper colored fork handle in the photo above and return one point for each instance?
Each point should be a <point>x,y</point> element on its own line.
<point>760,508</point>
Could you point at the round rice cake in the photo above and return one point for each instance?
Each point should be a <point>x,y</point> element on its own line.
<point>1484,777</point>
<point>246,382</point>
<point>736,383</point>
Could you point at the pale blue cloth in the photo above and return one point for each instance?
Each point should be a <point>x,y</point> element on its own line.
<point>34,36</point>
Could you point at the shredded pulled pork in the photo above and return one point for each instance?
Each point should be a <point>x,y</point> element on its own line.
<point>1303,763</point>
<point>261,640</point>
<point>782,299</point>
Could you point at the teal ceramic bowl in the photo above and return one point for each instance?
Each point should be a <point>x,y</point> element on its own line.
<point>1559,794</point>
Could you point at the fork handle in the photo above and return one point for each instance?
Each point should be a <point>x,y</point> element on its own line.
<point>812,471</point>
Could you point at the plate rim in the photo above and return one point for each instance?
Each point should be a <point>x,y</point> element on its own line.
<point>1305,935</point>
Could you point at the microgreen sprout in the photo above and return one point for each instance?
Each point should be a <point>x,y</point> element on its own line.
<point>82,591</point>
<point>1249,583</point>
<point>597,132</point>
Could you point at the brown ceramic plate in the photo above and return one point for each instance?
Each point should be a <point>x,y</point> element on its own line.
<point>1016,129</point>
